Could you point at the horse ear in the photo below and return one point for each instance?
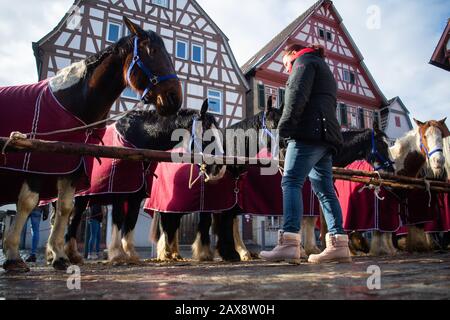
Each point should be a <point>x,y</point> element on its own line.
<point>376,126</point>
<point>419,123</point>
<point>443,121</point>
<point>205,108</point>
<point>134,28</point>
<point>445,130</point>
<point>269,105</point>
<point>282,107</point>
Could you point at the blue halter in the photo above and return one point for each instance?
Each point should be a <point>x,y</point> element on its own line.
<point>427,152</point>
<point>154,80</point>
<point>385,163</point>
<point>268,133</point>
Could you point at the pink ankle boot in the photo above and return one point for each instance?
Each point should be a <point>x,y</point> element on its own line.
<point>288,249</point>
<point>337,250</point>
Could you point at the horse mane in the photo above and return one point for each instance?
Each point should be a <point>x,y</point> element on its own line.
<point>447,156</point>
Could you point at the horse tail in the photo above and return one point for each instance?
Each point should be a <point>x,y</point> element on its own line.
<point>155,232</point>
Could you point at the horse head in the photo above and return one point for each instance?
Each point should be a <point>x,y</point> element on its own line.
<point>212,142</point>
<point>430,142</point>
<point>149,70</point>
<point>379,156</point>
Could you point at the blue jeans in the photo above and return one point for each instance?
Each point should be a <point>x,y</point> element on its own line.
<point>35,218</point>
<point>315,161</point>
<point>95,235</point>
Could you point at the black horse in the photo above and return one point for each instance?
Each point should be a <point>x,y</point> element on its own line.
<point>167,225</point>
<point>87,90</point>
<point>145,130</point>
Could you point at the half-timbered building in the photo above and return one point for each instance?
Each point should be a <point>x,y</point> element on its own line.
<point>359,97</point>
<point>441,55</point>
<point>201,54</point>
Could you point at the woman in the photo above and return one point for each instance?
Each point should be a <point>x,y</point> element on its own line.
<point>310,126</point>
<point>95,220</point>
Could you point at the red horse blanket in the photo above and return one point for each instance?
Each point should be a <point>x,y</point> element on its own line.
<point>362,210</point>
<point>262,194</point>
<point>33,109</point>
<point>170,192</point>
<point>115,176</point>
<point>442,221</point>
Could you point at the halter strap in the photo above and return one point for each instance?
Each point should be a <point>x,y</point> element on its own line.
<point>154,80</point>
<point>268,133</point>
<point>375,154</point>
<point>427,152</point>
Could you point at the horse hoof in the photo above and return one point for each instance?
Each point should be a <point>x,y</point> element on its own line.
<point>61,264</point>
<point>76,260</point>
<point>134,261</point>
<point>313,250</point>
<point>16,266</point>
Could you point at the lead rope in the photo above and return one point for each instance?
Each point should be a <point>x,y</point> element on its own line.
<point>376,189</point>
<point>428,189</point>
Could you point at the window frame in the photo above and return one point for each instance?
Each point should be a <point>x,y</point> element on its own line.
<point>186,43</point>
<point>321,33</point>
<point>213,97</point>
<point>202,53</point>
<point>118,24</point>
<point>123,95</point>
<point>328,33</point>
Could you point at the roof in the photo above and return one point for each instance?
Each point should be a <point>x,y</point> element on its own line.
<point>385,112</point>
<point>438,56</point>
<point>274,45</point>
<point>269,49</point>
<point>77,3</point>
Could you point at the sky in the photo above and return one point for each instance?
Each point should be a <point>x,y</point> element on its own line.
<point>396,38</point>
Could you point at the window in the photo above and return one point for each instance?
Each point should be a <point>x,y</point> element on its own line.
<point>398,122</point>
<point>343,112</point>
<point>197,53</point>
<point>261,96</point>
<point>322,33</point>
<point>215,101</point>
<point>182,50</point>
<point>281,94</point>
<point>329,36</point>
<point>161,3</point>
<point>114,32</point>
<point>130,94</point>
<point>349,76</point>
<point>362,123</point>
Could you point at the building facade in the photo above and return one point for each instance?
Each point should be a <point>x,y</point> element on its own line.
<point>201,54</point>
<point>395,120</point>
<point>441,55</point>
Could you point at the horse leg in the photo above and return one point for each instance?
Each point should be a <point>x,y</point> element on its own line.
<point>358,244</point>
<point>71,246</point>
<point>308,228</point>
<point>116,255</point>
<point>64,207</point>
<point>416,240</point>
<point>240,247</point>
<point>390,243</point>
<point>378,245</point>
<point>223,227</point>
<point>201,248</point>
<point>323,229</point>
<point>28,200</point>
<point>134,204</point>
<point>168,242</point>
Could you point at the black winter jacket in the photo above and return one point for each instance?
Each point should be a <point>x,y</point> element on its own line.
<point>310,104</point>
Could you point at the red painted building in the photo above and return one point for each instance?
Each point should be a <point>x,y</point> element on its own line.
<point>359,97</point>
<point>441,55</point>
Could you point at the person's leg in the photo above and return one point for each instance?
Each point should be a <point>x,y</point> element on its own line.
<point>99,238</point>
<point>337,249</point>
<point>92,236</point>
<point>35,225</point>
<point>321,177</point>
<point>300,159</point>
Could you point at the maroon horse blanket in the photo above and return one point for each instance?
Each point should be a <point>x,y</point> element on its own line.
<point>115,176</point>
<point>170,192</point>
<point>33,109</point>
<point>442,221</point>
<point>262,195</point>
<point>362,210</point>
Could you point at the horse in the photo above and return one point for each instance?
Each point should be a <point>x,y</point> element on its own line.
<point>144,130</point>
<point>166,225</point>
<point>367,144</point>
<point>422,153</point>
<point>87,90</point>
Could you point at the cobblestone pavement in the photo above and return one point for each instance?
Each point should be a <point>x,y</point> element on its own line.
<point>402,277</point>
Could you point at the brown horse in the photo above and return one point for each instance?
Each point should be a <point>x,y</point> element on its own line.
<point>421,153</point>
<point>87,90</point>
